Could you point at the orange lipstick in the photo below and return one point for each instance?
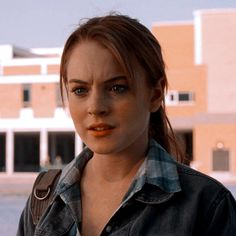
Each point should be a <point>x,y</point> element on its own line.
<point>100,130</point>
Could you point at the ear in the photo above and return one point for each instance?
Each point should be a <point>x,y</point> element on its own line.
<point>156,97</point>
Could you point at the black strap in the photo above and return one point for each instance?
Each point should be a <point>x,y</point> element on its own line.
<point>42,192</point>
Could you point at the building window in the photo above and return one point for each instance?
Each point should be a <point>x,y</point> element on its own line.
<point>185,96</point>
<point>220,160</point>
<point>26,95</point>
<point>178,97</point>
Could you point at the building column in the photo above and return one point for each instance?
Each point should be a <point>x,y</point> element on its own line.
<point>78,144</point>
<point>43,147</point>
<point>9,152</point>
<point>198,38</point>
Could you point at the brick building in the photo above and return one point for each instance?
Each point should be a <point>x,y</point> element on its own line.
<point>200,58</point>
<point>35,129</point>
<point>201,102</point>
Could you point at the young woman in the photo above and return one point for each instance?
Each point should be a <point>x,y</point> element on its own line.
<point>127,180</point>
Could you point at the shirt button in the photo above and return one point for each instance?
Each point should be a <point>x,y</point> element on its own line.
<point>108,229</point>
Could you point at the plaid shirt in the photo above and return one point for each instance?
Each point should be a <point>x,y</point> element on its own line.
<point>158,169</point>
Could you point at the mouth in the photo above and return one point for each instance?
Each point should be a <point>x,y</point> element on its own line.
<point>99,130</point>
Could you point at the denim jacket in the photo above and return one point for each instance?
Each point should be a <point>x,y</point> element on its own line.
<point>165,198</point>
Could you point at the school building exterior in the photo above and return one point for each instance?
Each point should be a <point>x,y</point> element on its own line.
<point>36,131</point>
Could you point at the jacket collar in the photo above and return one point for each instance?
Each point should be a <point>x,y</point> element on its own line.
<point>151,194</point>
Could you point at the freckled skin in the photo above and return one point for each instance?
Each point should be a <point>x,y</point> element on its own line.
<point>99,92</point>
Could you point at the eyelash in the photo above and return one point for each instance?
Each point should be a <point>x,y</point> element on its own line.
<point>116,89</point>
<point>119,88</point>
<point>79,91</point>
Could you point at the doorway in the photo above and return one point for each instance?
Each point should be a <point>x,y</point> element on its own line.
<point>61,148</point>
<point>2,152</point>
<point>26,152</point>
<point>185,140</point>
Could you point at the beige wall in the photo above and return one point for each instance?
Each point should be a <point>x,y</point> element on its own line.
<point>53,69</point>
<point>191,79</point>
<point>44,99</point>
<point>21,70</point>
<point>206,137</point>
<point>11,100</point>
<point>219,53</point>
<point>177,43</point>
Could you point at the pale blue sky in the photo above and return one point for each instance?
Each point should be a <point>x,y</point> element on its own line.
<point>47,23</point>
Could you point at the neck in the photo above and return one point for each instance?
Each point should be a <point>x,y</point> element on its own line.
<point>117,167</point>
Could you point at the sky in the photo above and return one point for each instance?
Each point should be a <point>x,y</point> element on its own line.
<point>48,23</point>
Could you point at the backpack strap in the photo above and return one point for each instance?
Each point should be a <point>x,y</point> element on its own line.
<point>42,192</point>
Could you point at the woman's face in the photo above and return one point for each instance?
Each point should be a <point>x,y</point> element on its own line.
<point>110,112</point>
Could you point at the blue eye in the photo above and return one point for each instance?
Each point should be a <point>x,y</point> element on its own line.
<point>119,88</point>
<point>80,91</point>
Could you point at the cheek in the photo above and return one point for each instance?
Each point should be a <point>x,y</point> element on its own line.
<point>71,107</point>
<point>134,111</point>
<point>74,111</point>
<point>77,119</point>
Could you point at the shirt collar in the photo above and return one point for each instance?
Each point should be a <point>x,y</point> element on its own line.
<point>158,169</point>
<point>71,174</point>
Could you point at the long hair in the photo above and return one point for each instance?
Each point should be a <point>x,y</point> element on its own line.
<point>126,39</point>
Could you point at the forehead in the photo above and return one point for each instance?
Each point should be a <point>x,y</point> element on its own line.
<point>91,59</point>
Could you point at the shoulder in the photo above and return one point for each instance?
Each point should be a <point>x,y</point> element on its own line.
<point>196,178</point>
<point>201,186</point>
<point>214,203</point>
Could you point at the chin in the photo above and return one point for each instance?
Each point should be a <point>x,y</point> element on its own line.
<point>102,149</point>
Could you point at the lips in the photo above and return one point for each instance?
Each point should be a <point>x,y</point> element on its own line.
<point>99,130</point>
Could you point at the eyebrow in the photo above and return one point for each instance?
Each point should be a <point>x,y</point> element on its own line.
<point>111,80</point>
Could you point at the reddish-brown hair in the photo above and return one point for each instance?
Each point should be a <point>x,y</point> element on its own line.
<point>126,39</point>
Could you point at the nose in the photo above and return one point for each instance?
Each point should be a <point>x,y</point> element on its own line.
<point>98,104</point>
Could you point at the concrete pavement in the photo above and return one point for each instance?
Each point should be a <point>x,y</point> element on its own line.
<point>17,184</point>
